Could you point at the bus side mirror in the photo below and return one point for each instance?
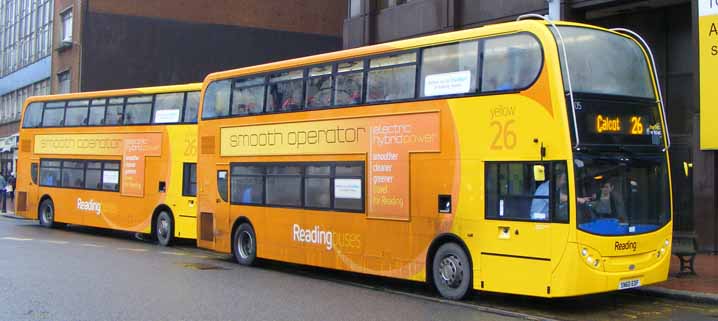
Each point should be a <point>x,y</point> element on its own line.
<point>539,173</point>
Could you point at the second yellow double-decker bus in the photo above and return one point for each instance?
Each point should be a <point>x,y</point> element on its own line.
<point>120,159</point>
<point>524,157</point>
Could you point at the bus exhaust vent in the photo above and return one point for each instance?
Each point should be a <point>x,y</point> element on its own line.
<point>207,145</point>
<point>21,201</point>
<point>206,222</point>
<point>25,146</point>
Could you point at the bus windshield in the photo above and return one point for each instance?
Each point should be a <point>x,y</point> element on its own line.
<point>619,195</point>
<point>604,63</point>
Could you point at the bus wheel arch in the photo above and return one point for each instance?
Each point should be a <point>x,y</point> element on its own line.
<point>163,225</point>
<point>439,243</point>
<point>243,231</point>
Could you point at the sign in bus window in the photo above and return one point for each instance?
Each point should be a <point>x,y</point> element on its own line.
<point>450,69</point>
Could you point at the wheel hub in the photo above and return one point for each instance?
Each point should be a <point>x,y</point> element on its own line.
<point>47,214</point>
<point>451,270</point>
<point>245,244</point>
<point>163,228</point>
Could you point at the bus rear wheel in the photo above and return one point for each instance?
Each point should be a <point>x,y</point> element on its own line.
<point>164,229</point>
<point>451,271</point>
<point>245,244</point>
<point>47,213</point>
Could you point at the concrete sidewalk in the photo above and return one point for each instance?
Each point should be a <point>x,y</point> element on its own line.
<point>701,287</point>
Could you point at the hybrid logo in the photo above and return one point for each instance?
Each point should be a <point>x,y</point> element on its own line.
<point>628,245</point>
<point>315,236</point>
<point>90,206</point>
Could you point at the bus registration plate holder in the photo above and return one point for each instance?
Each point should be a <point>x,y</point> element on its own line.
<point>630,283</point>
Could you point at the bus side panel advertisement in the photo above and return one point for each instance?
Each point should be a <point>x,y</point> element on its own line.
<point>388,141</point>
<point>132,147</point>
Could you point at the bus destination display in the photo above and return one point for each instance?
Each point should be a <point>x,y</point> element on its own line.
<point>631,124</point>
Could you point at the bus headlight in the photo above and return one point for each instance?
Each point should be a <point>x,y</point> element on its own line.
<point>591,256</point>
<point>666,243</point>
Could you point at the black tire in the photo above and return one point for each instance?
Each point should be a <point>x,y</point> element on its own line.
<point>46,214</point>
<point>244,244</point>
<point>452,273</point>
<point>164,228</point>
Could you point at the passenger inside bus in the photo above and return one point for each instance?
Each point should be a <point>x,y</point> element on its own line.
<point>540,203</point>
<point>605,204</point>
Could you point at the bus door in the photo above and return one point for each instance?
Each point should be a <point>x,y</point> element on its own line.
<point>209,222</point>
<point>29,202</point>
<point>517,231</point>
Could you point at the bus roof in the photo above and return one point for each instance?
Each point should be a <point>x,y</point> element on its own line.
<point>117,92</point>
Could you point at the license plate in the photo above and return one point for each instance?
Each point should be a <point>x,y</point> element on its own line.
<point>627,284</point>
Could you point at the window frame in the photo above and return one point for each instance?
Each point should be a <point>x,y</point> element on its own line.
<point>187,179</point>
<point>84,175</point>
<point>60,76</point>
<point>302,178</point>
<point>268,82</point>
<point>550,170</point>
<point>367,68</point>
<point>105,106</point>
<point>233,85</point>
<point>66,14</point>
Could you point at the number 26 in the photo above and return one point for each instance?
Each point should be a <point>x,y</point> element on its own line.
<point>504,138</point>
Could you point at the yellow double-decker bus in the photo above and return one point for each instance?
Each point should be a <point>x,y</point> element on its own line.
<point>526,157</point>
<point>119,159</point>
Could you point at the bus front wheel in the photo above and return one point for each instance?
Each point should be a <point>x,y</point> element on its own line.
<point>451,271</point>
<point>164,229</point>
<point>245,244</point>
<point>47,213</point>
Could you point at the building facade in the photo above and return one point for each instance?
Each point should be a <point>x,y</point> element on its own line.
<point>106,44</point>
<point>25,48</point>
<point>669,26</point>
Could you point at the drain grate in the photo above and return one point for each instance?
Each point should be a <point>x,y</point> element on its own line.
<point>203,266</point>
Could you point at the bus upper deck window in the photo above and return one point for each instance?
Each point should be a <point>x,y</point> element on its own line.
<point>76,113</point>
<point>285,91</point>
<point>138,110</point>
<point>449,69</point>
<point>33,115</point>
<point>216,100</point>
<point>248,96</point>
<point>168,108</point>
<point>191,107</point>
<point>54,114</point>
<point>392,78</point>
<point>115,111</point>
<point>510,63</point>
<point>97,112</point>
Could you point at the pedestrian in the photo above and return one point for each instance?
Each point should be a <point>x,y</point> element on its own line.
<point>10,189</point>
<point>3,195</point>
